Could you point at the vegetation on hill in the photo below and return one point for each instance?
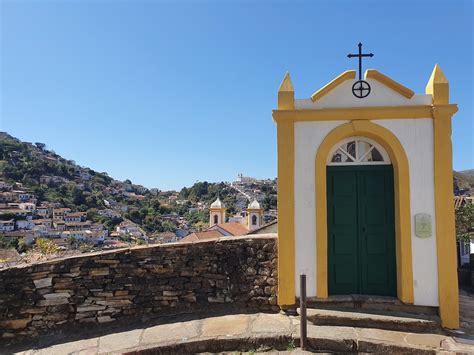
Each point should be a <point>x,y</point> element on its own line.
<point>57,180</point>
<point>206,193</point>
<point>464,183</point>
<point>465,222</point>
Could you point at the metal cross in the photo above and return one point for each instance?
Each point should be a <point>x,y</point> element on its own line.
<point>360,55</point>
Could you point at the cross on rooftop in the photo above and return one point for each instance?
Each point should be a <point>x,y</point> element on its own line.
<point>360,55</point>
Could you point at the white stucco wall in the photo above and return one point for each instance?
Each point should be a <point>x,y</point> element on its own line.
<point>416,136</point>
<point>308,137</point>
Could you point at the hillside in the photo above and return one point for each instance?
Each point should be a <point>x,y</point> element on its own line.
<point>464,183</point>
<point>469,172</point>
<point>54,179</point>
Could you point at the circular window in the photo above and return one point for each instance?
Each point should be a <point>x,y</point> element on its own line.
<point>359,151</point>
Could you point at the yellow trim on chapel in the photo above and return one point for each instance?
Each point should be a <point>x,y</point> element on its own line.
<point>438,87</point>
<point>392,84</point>
<point>360,113</point>
<point>286,94</point>
<point>448,293</point>
<point>347,75</point>
<point>402,203</point>
<point>286,213</point>
<point>286,197</point>
<point>369,74</point>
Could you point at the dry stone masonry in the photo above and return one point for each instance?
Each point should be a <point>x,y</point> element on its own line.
<point>130,284</point>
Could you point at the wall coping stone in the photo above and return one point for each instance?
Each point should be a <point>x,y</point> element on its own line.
<point>268,236</point>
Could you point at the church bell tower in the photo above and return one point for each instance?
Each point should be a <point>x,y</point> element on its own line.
<point>216,213</point>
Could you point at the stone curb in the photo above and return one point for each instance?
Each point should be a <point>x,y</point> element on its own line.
<point>280,342</point>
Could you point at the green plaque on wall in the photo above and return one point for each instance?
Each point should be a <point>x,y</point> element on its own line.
<point>423,225</point>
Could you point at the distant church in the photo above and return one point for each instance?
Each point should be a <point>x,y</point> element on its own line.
<point>365,191</point>
<point>236,226</point>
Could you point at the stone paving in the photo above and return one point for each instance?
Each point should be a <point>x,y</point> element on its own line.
<point>236,332</point>
<point>466,312</point>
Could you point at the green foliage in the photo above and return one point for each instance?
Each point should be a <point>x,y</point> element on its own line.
<point>26,163</point>
<point>465,222</point>
<point>269,202</point>
<point>291,345</point>
<point>200,226</point>
<point>21,247</point>
<point>8,242</point>
<point>168,226</point>
<point>7,216</point>
<point>93,215</point>
<point>46,246</point>
<point>125,238</point>
<point>206,192</point>
<point>85,247</point>
<point>196,217</point>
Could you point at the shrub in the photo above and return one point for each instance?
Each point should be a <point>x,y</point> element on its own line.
<point>46,246</point>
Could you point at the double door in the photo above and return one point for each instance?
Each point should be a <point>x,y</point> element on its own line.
<point>361,230</point>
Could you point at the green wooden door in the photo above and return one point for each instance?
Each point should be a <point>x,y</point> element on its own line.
<point>361,231</point>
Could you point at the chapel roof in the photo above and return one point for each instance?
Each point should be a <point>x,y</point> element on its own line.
<point>369,74</point>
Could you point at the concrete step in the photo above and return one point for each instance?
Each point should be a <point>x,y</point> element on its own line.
<point>367,303</point>
<point>387,321</point>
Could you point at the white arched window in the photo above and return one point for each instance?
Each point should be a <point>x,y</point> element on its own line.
<point>358,151</point>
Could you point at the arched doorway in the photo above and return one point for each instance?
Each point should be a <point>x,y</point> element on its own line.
<point>360,219</point>
<point>399,160</point>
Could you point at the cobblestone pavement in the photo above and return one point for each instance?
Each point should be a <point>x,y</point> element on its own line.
<point>241,330</point>
<point>466,311</point>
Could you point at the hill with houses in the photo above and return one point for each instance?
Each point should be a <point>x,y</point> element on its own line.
<point>44,194</point>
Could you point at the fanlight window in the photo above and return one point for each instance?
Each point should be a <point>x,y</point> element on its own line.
<point>359,151</point>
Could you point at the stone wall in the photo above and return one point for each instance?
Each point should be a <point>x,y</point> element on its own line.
<point>131,284</point>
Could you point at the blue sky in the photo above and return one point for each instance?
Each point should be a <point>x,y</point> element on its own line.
<point>167,93</point>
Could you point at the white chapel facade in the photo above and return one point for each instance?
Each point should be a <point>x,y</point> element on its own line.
<point>365,192</point>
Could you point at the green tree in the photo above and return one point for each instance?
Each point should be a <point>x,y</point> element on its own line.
<point>168,226</point>
<point>465,222</point>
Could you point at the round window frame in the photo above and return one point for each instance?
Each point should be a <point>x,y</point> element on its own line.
<point>382,151</point>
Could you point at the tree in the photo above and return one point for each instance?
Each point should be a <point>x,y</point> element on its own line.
<point>155,204</point>
<point>168,226</point>
<point>46,246</point>
<point>7,216</point>
<point>200,226</point>
<point>93,215</point>
<point>465,222</point>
